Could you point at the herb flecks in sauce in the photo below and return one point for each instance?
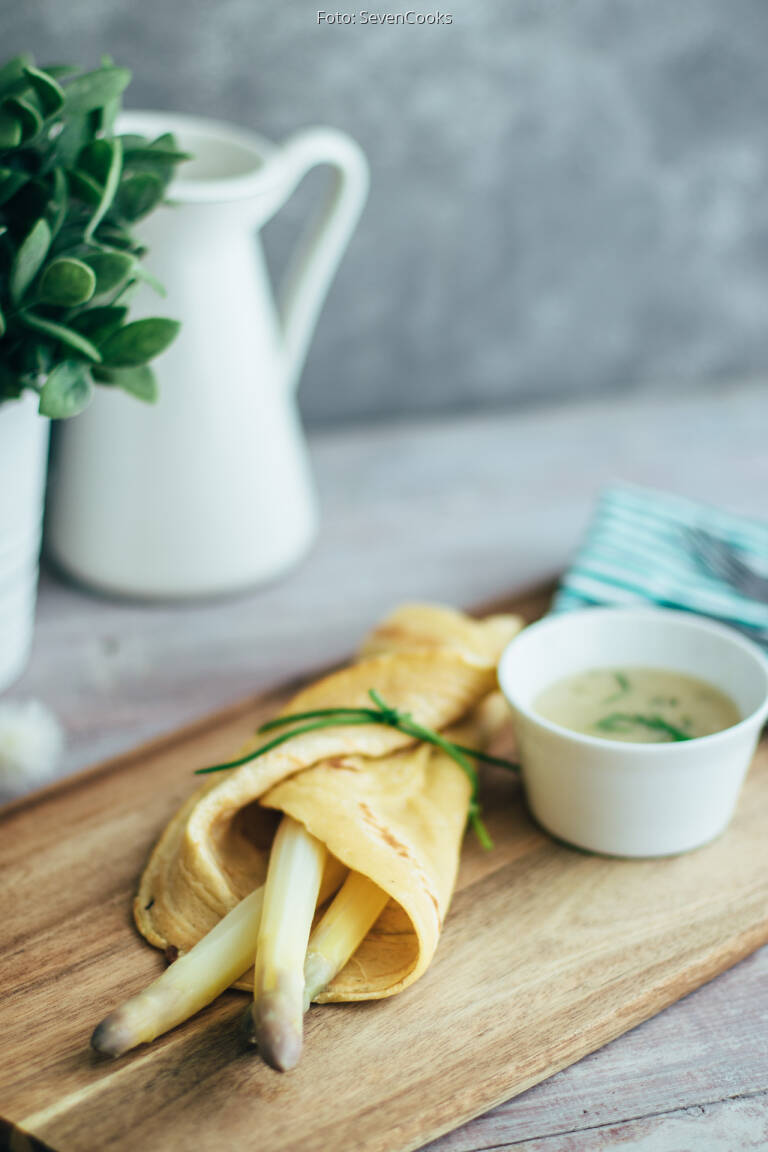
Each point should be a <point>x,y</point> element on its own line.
<point>643,705</point>
<point>622,680</point>
<point>626,722</point>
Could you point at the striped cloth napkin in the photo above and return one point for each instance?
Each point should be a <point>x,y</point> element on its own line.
<point>638,549</point>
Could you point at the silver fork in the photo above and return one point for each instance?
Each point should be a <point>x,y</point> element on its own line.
<point>722,560</point>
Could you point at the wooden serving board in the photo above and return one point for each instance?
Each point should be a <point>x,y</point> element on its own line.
<point>547,954</point>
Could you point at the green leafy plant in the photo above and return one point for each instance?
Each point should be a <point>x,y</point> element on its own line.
<point>70,192</point>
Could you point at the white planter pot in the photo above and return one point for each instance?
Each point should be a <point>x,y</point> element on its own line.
<point>23,453</point>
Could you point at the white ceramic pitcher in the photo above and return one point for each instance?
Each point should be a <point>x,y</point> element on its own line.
<point>209,490</point>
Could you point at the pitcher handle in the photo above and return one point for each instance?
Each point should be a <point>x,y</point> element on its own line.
<point>321,248</point>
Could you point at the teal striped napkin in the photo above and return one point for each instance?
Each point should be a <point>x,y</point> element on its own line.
<point>637,550</point>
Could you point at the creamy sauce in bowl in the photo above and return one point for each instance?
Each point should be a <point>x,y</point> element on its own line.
<point>637,705</point>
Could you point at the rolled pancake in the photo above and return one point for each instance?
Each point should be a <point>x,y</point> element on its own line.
<point>384,805</point>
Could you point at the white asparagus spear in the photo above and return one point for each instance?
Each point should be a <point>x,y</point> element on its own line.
<point>197,977</point>
<point>275,1019</point>
<point>341,931</point>
<point>188,984</point>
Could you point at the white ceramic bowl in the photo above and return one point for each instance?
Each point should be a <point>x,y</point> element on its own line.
<point>628,799</point>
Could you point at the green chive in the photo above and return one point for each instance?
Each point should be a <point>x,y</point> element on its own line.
<point>302,722</point>
<point>623,686</point>
<point>619,721</point>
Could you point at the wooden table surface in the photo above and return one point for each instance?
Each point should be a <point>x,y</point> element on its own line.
<point>459,510</point>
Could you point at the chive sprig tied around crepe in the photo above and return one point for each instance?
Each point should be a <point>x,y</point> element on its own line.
<point>363,860</point>
<point>381,713</point>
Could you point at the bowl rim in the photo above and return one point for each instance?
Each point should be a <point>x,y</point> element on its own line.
<point>638,748</point>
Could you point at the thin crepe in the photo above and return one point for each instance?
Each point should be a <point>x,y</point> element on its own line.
<point>384,805</point>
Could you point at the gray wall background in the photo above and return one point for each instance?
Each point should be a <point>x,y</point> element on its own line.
<point>569,196</point>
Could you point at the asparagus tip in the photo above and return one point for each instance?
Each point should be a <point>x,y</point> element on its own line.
<point>276,1033</point>
<point>113,1037</point>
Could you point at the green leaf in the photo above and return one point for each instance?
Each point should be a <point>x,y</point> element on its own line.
<point>10,130</point>
<point>58,71</point>
<point>139,153</point>
<point>132,140</point>
<point>117,237</point>
<point>26,115</point>
<point>99,323</point>
<point>70,236</point>
<point>62,333</point>
<point>140,381</point>
<point>95,160</point>
<point>164,141</point>
<point>29,259</point>
<point>109,112</point>
<point>84,187</point>
<point>138,195</point>
<point>13,71</point>
<point>67,282</point>
<point>127,292</point>
<point>67,390</point>
<point>2,327</point>
<point>48,92</point>
<point>158,157</point>
<point>10,384</point>
<point>73,137</point>
<point>111,268</point>
<point>138,342</point>
<point>149,278</point>
<point>29,204</point>
<point>57,206</point>
<point>93,90</point>
<point>112,155</point>
<point>10,182</point>
<point>108,115</point>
